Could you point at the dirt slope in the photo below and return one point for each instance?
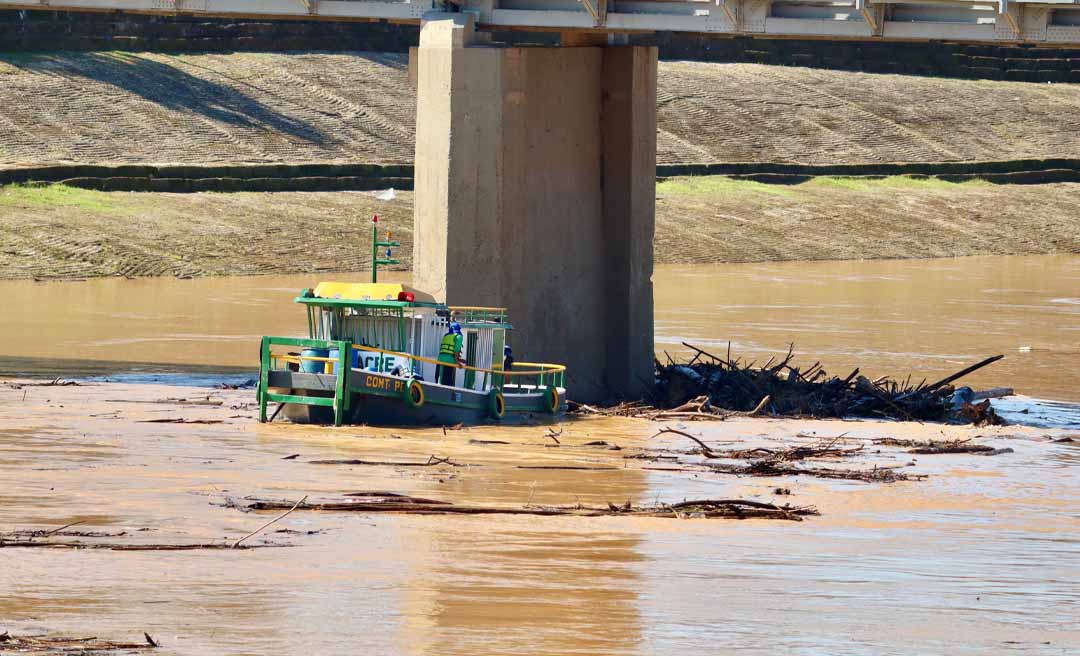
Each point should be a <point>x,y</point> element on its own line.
<point>719,220</point>
<point>358,107</point>
<point>71,233</point>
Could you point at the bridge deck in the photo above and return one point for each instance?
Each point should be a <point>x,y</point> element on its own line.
<point>1052,22</point>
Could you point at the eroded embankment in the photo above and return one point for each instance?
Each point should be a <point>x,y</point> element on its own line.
<point>59,232</point>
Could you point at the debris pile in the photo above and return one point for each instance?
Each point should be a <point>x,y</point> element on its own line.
<point>710,387</point>
<point>778,462</point>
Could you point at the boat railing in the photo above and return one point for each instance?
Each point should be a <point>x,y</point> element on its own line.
<point>546,374</point>
<point>268,361</point>
<point>524,374</point>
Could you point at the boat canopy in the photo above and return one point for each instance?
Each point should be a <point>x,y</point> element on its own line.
<point>367,291</point>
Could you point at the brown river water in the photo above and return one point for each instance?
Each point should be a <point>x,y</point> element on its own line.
<point>980,558</point>
<point>923,318</point>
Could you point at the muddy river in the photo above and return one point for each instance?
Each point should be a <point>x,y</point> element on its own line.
<point>981,557</point>
<point>924,318</point>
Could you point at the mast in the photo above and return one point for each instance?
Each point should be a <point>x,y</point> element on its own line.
<point>375,244</point>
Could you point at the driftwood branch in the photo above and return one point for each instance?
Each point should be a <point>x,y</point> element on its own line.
<point>705,450</point>
<point>272,521</point>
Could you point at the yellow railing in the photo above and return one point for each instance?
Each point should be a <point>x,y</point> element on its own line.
<point>543,368</point>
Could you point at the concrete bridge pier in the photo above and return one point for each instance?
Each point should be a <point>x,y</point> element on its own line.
<point>535,190</point>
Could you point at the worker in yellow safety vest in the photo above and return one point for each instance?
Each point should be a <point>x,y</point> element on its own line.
<point>449,353</point>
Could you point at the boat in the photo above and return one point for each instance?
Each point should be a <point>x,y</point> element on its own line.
<point>370,357</point>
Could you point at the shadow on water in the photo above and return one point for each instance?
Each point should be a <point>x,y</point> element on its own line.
<point>172,88</point>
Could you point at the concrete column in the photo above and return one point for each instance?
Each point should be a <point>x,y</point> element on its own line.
<point>535,178</point>
<point>629,123</point>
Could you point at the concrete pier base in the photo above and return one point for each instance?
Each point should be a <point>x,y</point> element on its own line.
<point>535,182</point>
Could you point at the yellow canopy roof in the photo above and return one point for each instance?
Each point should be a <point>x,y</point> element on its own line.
<point>369,291</point>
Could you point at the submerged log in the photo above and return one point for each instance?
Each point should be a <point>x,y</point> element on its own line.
<point>771,468</point>
<point>943,446</point>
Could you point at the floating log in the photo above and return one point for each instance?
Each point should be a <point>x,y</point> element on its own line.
<point>802,452</point>
<point>771,468</point>
<point>180,420</point>
<point>980,449</point>
<point>113,546</point>
<point>430,462</point>
<point>61,645</point>
<point>704,508</point>
<point>963,372</point>
<point>568,467</point>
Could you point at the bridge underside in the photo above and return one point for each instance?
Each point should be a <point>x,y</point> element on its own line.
<point>1053,22</point>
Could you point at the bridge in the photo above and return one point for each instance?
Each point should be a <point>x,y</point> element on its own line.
<point>989,21</point>
<point>535,166</point>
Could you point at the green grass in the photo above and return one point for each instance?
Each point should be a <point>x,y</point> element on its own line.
<point>58,195</point>
<point>707,185</point>
<point>893,182</point>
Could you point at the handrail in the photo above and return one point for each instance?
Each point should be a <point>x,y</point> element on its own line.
<point>544,368</point>
<point>455,308</point>
<point>554,368</point>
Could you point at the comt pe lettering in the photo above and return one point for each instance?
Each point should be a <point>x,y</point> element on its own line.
<point>382,383</point>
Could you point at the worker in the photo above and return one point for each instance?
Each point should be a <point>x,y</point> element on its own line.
<point>508,358</point>
<point>449,354</point>
<point>507,365</point>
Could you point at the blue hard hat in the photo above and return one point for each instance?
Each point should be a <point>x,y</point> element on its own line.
<point>455,327</point>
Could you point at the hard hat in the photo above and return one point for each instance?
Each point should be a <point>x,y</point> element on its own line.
<point>455,327</point>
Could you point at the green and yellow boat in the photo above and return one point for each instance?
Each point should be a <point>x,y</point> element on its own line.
<point>370,357</point>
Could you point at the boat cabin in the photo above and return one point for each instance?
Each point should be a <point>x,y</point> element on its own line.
<point>387,321</point>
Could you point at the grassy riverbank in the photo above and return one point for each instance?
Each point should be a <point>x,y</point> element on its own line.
<point>61,232</point>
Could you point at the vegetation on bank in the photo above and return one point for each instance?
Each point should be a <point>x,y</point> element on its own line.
<point>63,196</point>
<point>893,182</point>
<point>60,196</point>
<point>718,184</point>
<point>707,185</point>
